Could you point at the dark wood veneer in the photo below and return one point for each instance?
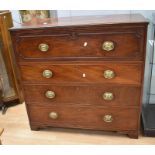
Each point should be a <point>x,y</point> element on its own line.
<point>67,95</point>
<point>126,46</point>
<point>78,101</point>
<point>126,73</point>
<point>86,117</point>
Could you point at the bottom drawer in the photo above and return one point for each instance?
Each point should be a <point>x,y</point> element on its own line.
<point>83,117</point>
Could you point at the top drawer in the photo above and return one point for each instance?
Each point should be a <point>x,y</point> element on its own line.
<point>76,45</point>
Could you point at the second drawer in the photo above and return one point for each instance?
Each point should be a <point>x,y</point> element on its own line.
<point>104,72</point>
<point>106,95</point>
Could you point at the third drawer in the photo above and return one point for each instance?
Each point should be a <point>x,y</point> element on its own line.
<point>100,95</point>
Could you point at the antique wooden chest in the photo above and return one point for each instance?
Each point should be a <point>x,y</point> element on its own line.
<point>83,72</point>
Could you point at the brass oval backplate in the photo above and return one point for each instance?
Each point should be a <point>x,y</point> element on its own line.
<point>50,94</point>
<point>47,73</point>
<point>107,118</point>
<point>109,74</point>
<point>53,115</point>
<point>108,96</point>
<point>43,47</point>
<point>108,46</point>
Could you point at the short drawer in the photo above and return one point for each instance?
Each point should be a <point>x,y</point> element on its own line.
<point>85,117</point>
<point>76,45</point>
<point>95,95</point>
<point>106,72</point>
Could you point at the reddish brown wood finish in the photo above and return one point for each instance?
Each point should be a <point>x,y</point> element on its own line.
<point>78,100</point>
<point>85,117</point>
<point>127,45</point>
<point>70,95</point>
<point>67,43</point>
<point>125,73</point>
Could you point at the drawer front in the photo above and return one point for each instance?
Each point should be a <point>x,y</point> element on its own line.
<point>82,45</point>
<point>85,117</point>
<point>97,95</point>
<point>120,73</point>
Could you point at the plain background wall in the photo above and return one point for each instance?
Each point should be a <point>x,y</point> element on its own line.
<point>145,13</point>
<point>66,13</point>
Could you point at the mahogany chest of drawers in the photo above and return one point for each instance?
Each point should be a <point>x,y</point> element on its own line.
<point>83,72</point>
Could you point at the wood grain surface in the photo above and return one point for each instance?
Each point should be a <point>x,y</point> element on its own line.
<point>78,62</point>
<point>78,45</point>
<point>125,73</point>
<point>90,95</point>
<point>84,117</point>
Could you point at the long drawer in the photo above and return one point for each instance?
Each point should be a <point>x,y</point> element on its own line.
<point>85,117</point>
<point>103,44</point>
<point>95,95</point>
<point>105,72</point>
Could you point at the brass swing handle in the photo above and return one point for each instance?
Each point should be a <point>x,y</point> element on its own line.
<point>50,94</point>
<point>107,118</point>
<point>108,96</point>
<point>108,46</point>
<point>47,73</point>
<point>53,115</point>
<point>43,47</point>
<point>109,74</point>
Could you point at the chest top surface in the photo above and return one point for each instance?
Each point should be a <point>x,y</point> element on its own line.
<point>121,19</point>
